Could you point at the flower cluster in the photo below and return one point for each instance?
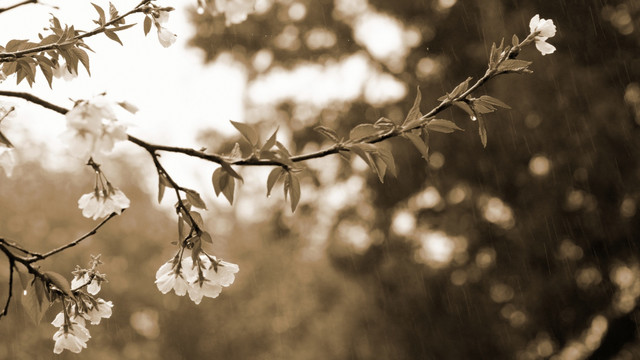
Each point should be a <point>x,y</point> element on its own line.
<point>542,29</point>
<point>235,11</point>
<point>92,128</point>
<point>165,36</point>
<point>198,275</point>
<point>104,200</point>
<point>73,334</point>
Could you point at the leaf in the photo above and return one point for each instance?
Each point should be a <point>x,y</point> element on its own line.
<point>204,236</point>
<point>422,147</point>
<point>294,190</point>
<point>102,18</point>
<point>147,25</point>
<point>248,132</point>
<point>273,178</point>
<point>493,101</point>
<point>229,170</point>
<point>464,106</point>
<point>113,12</point>
<point>483,107</point>
<point>514,40</point>
<point>443,126</point>
<point>181,230</point>
<point>128,106</point>
<point>216,179</point>
<point>482,130</point>
<point>271,142</point>
<point>197,218</point>
<point>161,188</point>
<point>60,282</point>
<point>123,27</point>
<point>229,188</point>
<point>327,132</point>
<point>385,155</point>
<point>35,302</point>
<point>461,88</point>
<point>84,58</point>
<point>414,112</point>
<point>113,36</point>
<point>362,131</point>
<point>514,65</point>
<point>195,199</point>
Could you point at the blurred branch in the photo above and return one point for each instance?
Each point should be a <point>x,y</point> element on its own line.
<point>35,100</point>
<point>11,7</point>
<point>5,311</point>
<point>11,56</point>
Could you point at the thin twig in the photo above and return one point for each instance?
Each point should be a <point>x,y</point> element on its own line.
<point>5,311</point>
<point>17,247</point>
<point>11,7</point>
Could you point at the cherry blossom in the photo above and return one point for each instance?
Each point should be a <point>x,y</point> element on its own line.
<point>542,29</point>
<point>93,284</point>
<point>72,336</point>
<point>101,309</point>
<point>102,203</point>
<point>165,36</point>
<point>169,276</point>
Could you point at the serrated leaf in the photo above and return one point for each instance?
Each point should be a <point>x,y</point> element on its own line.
<point>443,126</point>
<point>422,147</point>
<point>248,132</point>
<point>195,199</point>
<point>493,101</point>
<point>60,282</point>
<point>35,302</point>
<point>482,130</point>
<point>113,36</point>
<point>147,25</point>
<point>101,14</point>
<point>414,112</point>
<point>294,191</point>
<point>273,178</point>
<point>362,131</point>
<point>271,141</point>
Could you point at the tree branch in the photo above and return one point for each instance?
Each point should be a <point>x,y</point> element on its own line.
<point>11,7</point>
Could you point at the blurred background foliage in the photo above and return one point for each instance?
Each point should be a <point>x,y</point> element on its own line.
<point>527,249</point>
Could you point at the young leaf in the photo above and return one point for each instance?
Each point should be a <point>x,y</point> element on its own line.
<point>482,130</point>
<point>387,157</point>
<point>35,301</point>
<point>60,282</point>
<point>113,13</point>
<point>113,36</point>
<point>204,236</point>
<point>147,25</point>
<point>461,88</point>
<point>216,179</point>
<point>362,131</point>
<point>443,126</point>
<point>329,133</point>
<point>294,190</point>
<point>195,199</point>
<point>514,65</point>
<point>161,188</point>
<point>514,40</point>
<point>84,58</point>
<point>422,146</point>
<point>273,178</point>
<point>414,112</point>
<point>197,218</point>
<point>248,132</point>
<point>271,142</point>
<point>229,170</point>
<point>464,106</point>
<point>229,188</point>
<point>493,101</point>
<point>102,19</point>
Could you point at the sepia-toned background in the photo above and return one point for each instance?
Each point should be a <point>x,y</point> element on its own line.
<point>524,250</point>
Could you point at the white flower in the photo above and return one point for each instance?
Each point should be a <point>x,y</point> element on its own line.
<point>168,278</point>
<point>206,288</point>
<point>544,29</point>
<point>102,309</point>
<point>93,287</point>
<point>235,11</point>
<point>165,36</point>
<point>7,160</point>
<point>98,205</point>
<point>92,127</point>
<point>61,71</point>
<point>73,337</point>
